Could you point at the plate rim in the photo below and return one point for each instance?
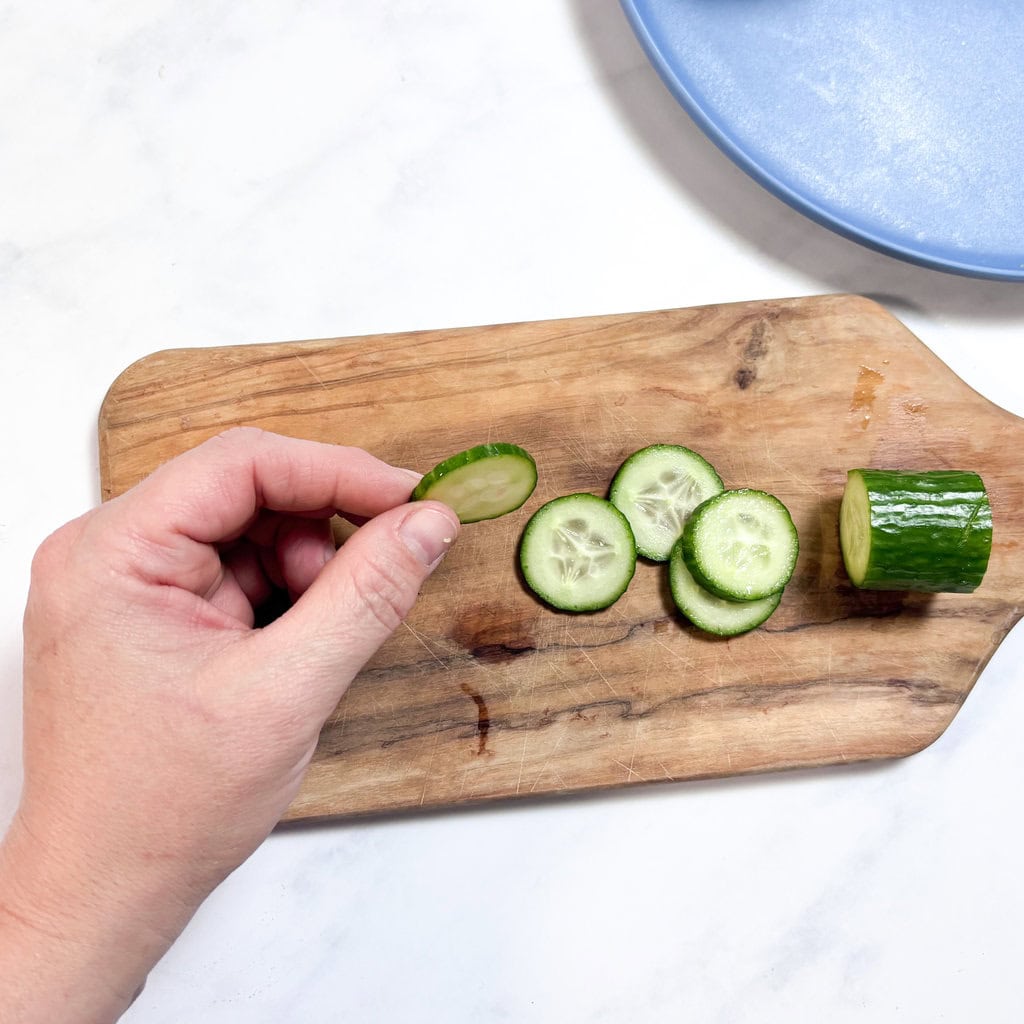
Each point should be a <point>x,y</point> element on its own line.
<point>794,198</point>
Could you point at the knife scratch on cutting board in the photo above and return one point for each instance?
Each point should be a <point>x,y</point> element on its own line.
<point>689,665</point>
<point>627,424</point>
<point>566,679</point>
<point>423,643</point>
<point>427,771</point>
<point>594,665</point>
<point>309,369</point>
<point>577,448</point>
<point>522,763</point>
<point>629,770</point>
<point>840,749</point>
<point>542,771</point>
<point>637,726</point>
<point>771,458</point>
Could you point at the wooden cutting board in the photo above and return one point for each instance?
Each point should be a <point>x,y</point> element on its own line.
<point>486,693</point>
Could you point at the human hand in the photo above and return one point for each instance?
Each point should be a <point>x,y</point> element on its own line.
<point>164,735</point>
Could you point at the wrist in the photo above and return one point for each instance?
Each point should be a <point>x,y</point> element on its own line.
<point>74,946</point>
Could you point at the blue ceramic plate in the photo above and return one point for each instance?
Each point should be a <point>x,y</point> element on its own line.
<point>898,123</point>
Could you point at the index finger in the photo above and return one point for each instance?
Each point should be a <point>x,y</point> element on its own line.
<point>212,492</point>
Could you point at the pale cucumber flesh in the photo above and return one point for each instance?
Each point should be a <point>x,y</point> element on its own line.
<point>710,613</point>
<point>656,489</point>
<point>578,553</point>
<point>484,482</point>
<point>741,545</point>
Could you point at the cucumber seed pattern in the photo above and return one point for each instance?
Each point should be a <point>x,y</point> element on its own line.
<point>579,552</point>
<point>657,489</point>
<point>741,545</point>
<point>749,548</point>
<point>669,499</point>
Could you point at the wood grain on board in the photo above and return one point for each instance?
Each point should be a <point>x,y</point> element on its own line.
<point>485,693</point>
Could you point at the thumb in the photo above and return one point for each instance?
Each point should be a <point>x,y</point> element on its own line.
<point>360,597</point>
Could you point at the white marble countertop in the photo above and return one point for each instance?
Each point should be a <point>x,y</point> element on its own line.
<point>175,174</point>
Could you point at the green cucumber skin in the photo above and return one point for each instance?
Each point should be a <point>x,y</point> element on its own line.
<point>471,455</point>
<point>712,614</point>
<point>692,559</point>
<point>930,531</point>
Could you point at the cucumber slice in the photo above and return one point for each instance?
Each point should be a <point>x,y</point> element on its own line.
<point>484,482</point>
<point>578,553</point>
<point>927,531</point>
<point>741,545</point>
<point>656,489</point>
<point>708,612</point>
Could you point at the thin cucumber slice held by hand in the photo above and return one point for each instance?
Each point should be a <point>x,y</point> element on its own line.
<point>741,545</point>
<point>578,553</point>
<point>484,482</point>
<point>656,489</point>
<point>929,531</point>
<point>711,613</point>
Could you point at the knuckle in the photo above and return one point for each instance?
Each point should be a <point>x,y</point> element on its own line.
<point>51,557</point>
<point>54,580</point>
<point>383,589</point>
<point>240,437</point>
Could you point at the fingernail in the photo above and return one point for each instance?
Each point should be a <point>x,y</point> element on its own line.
<point>427,533</point>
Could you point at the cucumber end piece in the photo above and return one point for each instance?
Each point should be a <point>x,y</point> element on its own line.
<point>926,531</point>
<point>855,527</point>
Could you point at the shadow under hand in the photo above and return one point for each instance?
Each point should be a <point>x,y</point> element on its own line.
<point>742,207</point>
